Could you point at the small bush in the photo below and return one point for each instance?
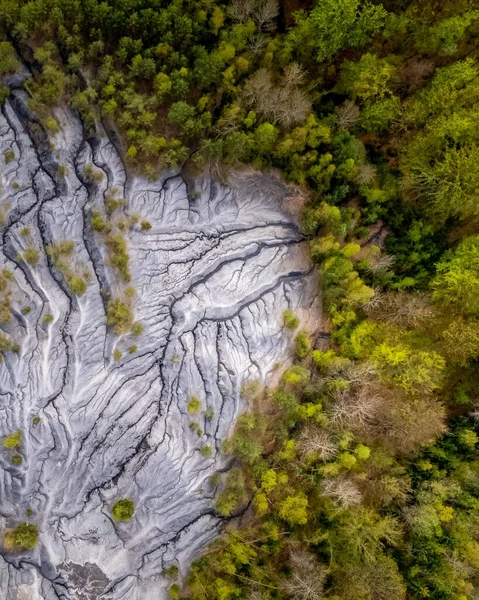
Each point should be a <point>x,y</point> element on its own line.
<point>31,256</point>
<point>36,420</point>
<point>23,537</point>
<point>132,349</point>
<point>194,405</point>
<point>119,258</point>
<point>62,170</point>
<point>26,310</point>
<point>137,329</point>
<point>77,285</point>
<point>13,440</point>
<point>209,413</point>
<point>48,318</point>
<point>97,222</point>
<point>145,225</point>
<point>174,591</point>
<point>9,156</point>
<point>17,459</point>
<point>130,292</point>
<point>123,510</point>
<point>118,316</point>
<point>25,232</point>
<point>206,450</point>
<point>290,320</point>
<point>303,345</point>
<point>117,354</point>
<point>92,173</point>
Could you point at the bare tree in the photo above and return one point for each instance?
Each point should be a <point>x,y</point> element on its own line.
<point>342,491</point>
<point>316,441</point>
<point>357,407</point>
<point>402,308</point>
<point>262,12</point>
<point>348,114</point>
<point>276,103</point>
<point>293,74</point>
<point>306,579</point>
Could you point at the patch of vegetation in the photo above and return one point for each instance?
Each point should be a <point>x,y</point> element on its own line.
<point>194,405</point>
<point>123,510</point>
<point>77,285</point>
<point>137,329</point>
<point>31,256</point>
<point>23,537</point>
<point>17,459</point>
<point>13,440</point>
<point>9,156</point>
<point>119,316</point>
<point>290,320</point>
<point>117,354</point>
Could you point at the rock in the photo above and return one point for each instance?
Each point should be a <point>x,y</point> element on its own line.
<point>212,277</point>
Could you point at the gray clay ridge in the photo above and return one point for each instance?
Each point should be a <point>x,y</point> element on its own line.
<point>212,276</point>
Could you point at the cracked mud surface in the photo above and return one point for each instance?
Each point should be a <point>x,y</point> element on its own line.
<point>212,276</point>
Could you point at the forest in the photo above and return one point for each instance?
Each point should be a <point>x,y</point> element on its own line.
<point>358,477</point>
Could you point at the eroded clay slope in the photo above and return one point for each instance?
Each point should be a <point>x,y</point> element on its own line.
<point>212,277</point>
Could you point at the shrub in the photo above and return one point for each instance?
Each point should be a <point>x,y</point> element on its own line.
<point>77,285</point>
<point>26,310</point>
<point>132,349</point>
<point>9,156</point>
<point>123,510</point>
<point>17,459</point>
<point>23,537</point>
<point>194,405</point>
<point>145,225</point>
<point>303,345</point>
<point>31,256</point>
<point>295,375</point>
<point>290,320</point>
<point>48,318</point>
<point>117,354</point>
<point>118,316</point>
<point>36,420</point>
<point>97,222</point>
<point>13,440</point>
<point>120,258</point>
<point>25,231</point>
<point>206,450</point>
<point>137,329</point>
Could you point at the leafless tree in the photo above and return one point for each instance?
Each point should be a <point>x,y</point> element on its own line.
<point>342,491</point>
<point>306,579</point>
<point>293,74</point>
<point>276,103</point>
<point>262,12</point>
<point>348,114</point>
<point>403,308</point>
<point>316,441</point>
<point>258,43</point>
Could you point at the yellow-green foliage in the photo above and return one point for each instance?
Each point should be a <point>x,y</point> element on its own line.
<point>77,285</point>
<point>23,537</point>
<point>123,510</point>
<point>31,256</point>
<point>194,405</point>
<point>13,440</point>
<point>119,256</point>
<point>137,329</point>
<point>290,320</point>
<point>303,344</point>
<point>119,316</point>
